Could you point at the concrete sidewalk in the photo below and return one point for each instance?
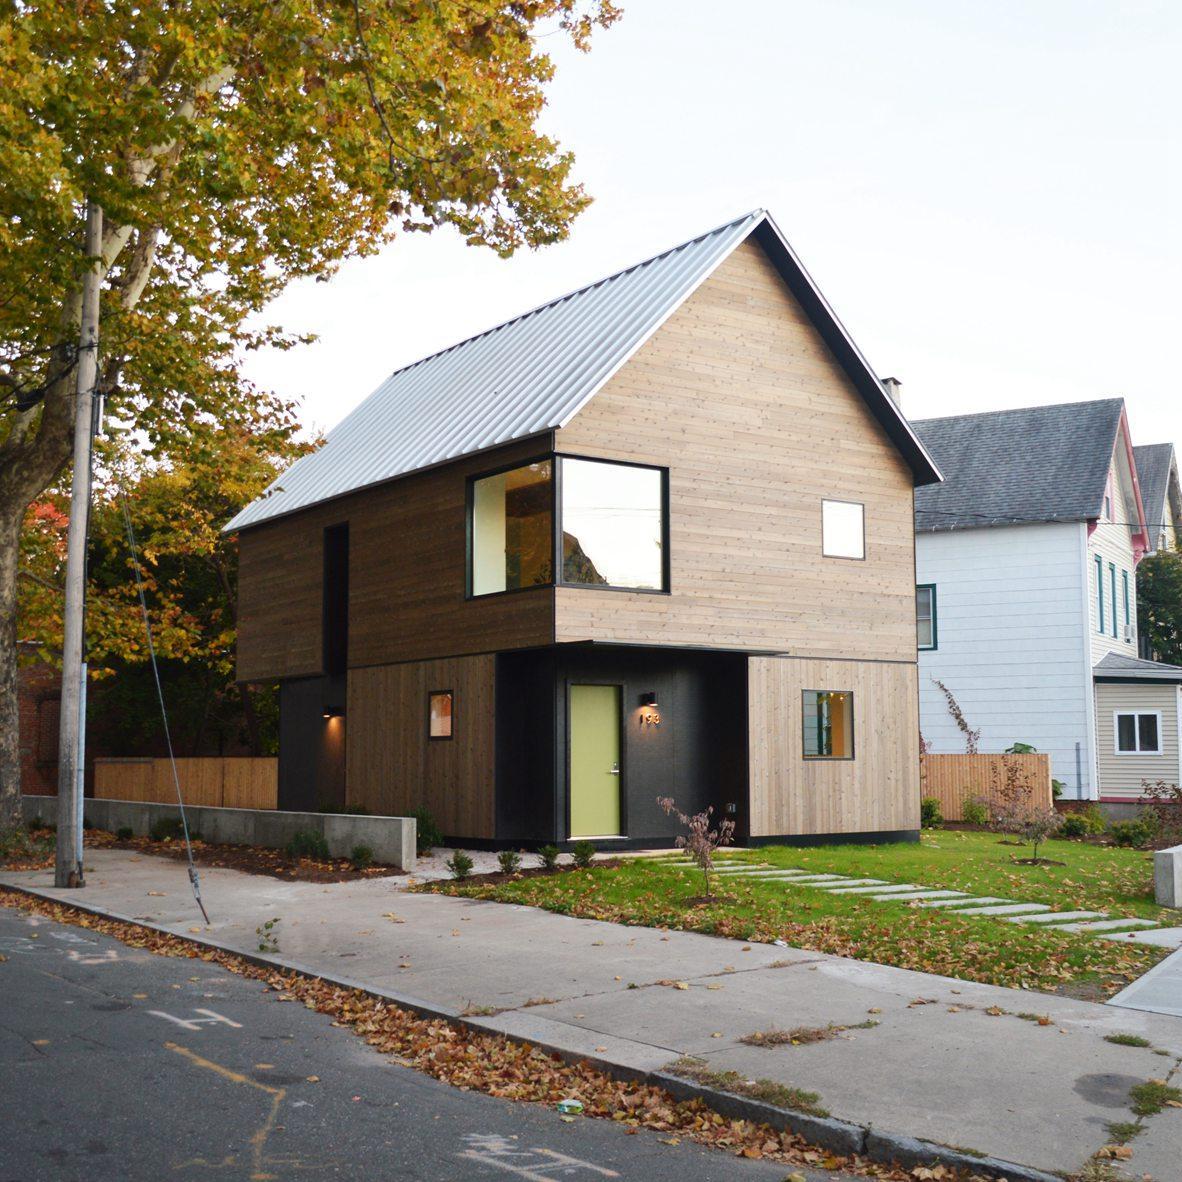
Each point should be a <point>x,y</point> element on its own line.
<point>938,1065</point>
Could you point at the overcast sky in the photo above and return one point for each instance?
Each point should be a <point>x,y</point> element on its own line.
<point>987,193</point>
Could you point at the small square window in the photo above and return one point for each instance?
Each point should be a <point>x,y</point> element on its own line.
<point>1138,734</point>
<point>843,533</point>
<point>440,714</point>
<point>828,724</point>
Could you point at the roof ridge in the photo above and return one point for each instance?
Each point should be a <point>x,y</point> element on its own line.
<point>750,215</point>
<point>1007,410</point>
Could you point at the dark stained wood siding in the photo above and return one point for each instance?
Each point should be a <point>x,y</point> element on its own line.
<point>392,767</point>
<point>407,568</point>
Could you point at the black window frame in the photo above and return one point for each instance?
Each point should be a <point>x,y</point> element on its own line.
<point>853,729</point>
<point>438,693</point>
<point>928,648</point>
<point>556,550</point>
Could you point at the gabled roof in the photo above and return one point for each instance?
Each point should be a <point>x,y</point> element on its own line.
<point>1155,466</point>
<point>1004,467</point>
<point>1117,667</point>
<point>534,373</point>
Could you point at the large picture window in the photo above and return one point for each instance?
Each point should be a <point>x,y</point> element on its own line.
<point>828,724</point>
<point>512,529</point>
<point>613,525</point>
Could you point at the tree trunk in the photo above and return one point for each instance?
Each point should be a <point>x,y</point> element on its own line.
<point>10,764</point>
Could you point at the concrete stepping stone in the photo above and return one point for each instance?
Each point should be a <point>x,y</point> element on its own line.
<point>1106,925</point>
<point>1052,917</point>
<point>875,890</point>
<point>849,882</point>
<point>761,868</point>
<point>1005,909</point>
<point>980,901</point>
<point>925,894</point>
<point>782,877</point>
<point>1158,937</point>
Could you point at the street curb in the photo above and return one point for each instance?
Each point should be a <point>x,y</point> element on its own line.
<point>830,1133</point>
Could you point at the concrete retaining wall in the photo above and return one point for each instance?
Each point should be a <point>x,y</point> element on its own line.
<point>1167,877</point>
<point>392,839</point>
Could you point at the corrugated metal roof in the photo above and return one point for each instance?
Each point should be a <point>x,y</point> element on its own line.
<point>535,372</point>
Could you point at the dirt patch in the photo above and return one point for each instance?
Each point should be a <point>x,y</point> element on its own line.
<point>497,877</point>
<point>1036,862</point>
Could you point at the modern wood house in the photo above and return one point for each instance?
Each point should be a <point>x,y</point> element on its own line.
<point>654,538</point>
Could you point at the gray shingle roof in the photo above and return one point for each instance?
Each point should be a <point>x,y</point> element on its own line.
<point>1037,463</point>
<point>1117,667</point>
<point>534,373</point>
<point>1154,461</point>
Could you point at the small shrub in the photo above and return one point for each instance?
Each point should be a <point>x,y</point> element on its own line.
<point>1036,825</point>
<point>125,833</point>
<point>166,829</point>
<point>1075,825</point>
<point>1021,749</point>
<point>427,835</point>
<point>307,843</point>
<point>975,811</point>
<point>1094,816</point>
<point>583,853</point>
<point>1133,833</point>
<point>268,935</point>
<point>460,865</point>
<point>1057,787</point>
<point>549,855</point>
<point>509,861</point>
<point>930,814</point>
<point>361,857</point>
<point>1164,801</point>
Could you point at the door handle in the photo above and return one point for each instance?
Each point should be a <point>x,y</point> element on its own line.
<point>614,770</point>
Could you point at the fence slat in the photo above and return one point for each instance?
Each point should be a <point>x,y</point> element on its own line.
<point>239,782</point>
<point>954,779</point>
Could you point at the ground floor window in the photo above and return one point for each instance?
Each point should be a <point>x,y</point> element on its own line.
<point>440,714</point>
<point>828,724</point>
<point>1138,733</point>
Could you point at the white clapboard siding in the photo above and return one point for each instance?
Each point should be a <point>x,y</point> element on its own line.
<point>1011,645</point>
<point>1112,541</point>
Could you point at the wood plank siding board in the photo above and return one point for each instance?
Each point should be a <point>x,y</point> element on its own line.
<point>407,576</point>
<point>876,791</point>
<point>738,395</point>
<point>393,768</point>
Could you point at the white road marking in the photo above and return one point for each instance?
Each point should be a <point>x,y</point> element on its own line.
<point>534,1165</point>
<point>109,957</point>
<point>211,1019</point>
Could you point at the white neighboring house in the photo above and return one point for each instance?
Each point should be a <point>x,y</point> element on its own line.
<point>1026,560</point>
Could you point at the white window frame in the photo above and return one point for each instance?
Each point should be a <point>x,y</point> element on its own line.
<point>930,588</point>
<point>1116,747</point>
<point>861,506</point>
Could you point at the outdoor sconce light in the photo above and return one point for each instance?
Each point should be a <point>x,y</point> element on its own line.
<point>333,712</point>
<point>649,715</point>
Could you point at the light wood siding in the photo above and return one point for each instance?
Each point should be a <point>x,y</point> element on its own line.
<point>1121,775</point>
<point>407,570</point>
<point>741,399</point>
<point>955,779</point>
<point>234,782</point>
<point>391,765</point>
<point>876,791</point>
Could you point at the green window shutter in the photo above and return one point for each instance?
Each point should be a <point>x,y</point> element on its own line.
<point>1112,589</point>
<point>1099,595</point>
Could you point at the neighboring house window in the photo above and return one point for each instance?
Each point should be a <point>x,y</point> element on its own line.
<point>843,529</point>
<point>1124,588</point>
<point>925,614</point>
<point>1107,506</point>
<point>1138,733</point>
<point>1100,595</point>
<point>440,714</point>
<point>828,724</point>
<point>613,525</point>
<point>1112,588</point>
<point>512,533</point>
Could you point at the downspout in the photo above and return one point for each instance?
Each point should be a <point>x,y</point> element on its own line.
<point>1092,761</point>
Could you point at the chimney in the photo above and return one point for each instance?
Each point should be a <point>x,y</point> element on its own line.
<point>894,389</point>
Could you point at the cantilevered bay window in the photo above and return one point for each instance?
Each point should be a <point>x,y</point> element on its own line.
<point>607,521</point>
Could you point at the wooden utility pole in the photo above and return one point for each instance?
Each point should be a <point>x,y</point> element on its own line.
<point>71,746</point>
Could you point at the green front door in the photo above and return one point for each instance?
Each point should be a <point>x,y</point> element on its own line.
<point>594,761</point>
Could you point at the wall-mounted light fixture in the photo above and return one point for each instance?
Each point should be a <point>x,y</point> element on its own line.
<point>334,712</point>
<point>649,713</point>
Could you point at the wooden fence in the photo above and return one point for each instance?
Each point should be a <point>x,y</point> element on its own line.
<point>953,779</point>
<point>240,782</point>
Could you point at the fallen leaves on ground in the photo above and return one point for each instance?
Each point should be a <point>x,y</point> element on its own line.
<point>489,1063</point>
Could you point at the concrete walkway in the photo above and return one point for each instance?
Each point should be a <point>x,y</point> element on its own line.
<point>949,1061</point>
<point>1097,923</point>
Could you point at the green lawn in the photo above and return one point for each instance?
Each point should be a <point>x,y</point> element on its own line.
<point>1095,878</point>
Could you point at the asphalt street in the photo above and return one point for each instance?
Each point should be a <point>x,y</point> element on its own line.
<point>116,1063</point>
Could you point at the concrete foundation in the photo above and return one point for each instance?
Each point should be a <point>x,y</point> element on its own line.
<point>392,839</point>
